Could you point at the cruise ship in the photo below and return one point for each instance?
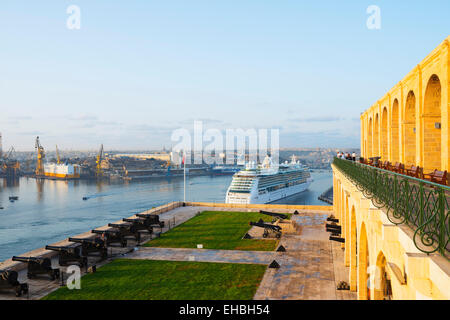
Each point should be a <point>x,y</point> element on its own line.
<point>268,182</point>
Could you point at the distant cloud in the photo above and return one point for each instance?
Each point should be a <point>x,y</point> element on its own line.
<point>30,133</point>
<point>14,118</point>
<point>205,120</point>
<point>83,117</point>
<point>317,119</point>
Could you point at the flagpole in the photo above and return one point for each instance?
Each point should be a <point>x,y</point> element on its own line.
<point>184,174</point>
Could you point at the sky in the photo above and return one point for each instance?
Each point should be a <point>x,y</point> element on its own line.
<point>135,71</point>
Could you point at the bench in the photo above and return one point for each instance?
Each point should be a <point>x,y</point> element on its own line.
<point>398,167</point>
<point>386,165</point>
<point>437,177</point>
<point>414,171</point>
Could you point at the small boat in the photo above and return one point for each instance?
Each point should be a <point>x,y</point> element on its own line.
<point>85,198</point>
<point>13,198</point>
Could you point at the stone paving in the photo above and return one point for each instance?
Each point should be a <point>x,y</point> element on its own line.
<point>203,255</point>
<point>307,269</point>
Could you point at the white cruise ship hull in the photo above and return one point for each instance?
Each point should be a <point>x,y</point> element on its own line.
<point>267,197</point>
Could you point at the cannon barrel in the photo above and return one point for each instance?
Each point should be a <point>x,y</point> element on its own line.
<point>265,225</point>
<point>105,231</point>
<point>274,214</point>
<point>85,240</point>
<point>337,239</point>
<point>332,227</point>
<point>154,217</point>
<point>60,248</point>
<point>133,219</point>
<point>119,225</point>
<point>28,259</point>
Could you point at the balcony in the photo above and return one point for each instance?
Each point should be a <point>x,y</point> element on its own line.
<point>421,205</point>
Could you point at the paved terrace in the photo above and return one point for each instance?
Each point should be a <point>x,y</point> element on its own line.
<point>310,268</point>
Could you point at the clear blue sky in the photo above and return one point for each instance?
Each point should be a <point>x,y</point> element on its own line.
<point>136,70</point>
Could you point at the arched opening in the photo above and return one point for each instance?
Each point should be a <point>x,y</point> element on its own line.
<point>382,283</point>
<point>410,130</point>
<point>345,234</point>
<point>395,133</point>
<point>342,221</point>
<point>338,199</point>
<point>363,264</point>
<point>376,137</point>
<point>431,125</point>
<point>353,251</point>
<point>369,139</point>
<point>384,134</point>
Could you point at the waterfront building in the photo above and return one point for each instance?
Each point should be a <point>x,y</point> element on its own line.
<point>395,223</point>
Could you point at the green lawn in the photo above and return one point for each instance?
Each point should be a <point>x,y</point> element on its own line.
<point>126,279</point>
<point>215,230</point>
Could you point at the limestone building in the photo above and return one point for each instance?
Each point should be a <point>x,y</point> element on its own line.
<point>394,228</point>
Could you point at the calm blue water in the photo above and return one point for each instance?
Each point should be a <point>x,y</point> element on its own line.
<point>48,211</point>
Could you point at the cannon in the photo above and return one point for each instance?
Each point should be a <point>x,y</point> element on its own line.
<point>69,255</point>
<point>277,216</point>
<point>92,245</point>
<point>337,239</point>
<point>141,224</point>
<point>268,229</point>
<point>332,219</point>
<point>153,219</point>
<point>38,265</point>
<point>333,228</point>
<point>127,229</point>
<point>112,236</point>
<point>8,281</point>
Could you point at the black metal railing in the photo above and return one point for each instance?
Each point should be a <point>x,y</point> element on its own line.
<point>420,204</point>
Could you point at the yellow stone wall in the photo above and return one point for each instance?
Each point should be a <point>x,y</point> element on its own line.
<point>401,126</point>
<point>376,249</point>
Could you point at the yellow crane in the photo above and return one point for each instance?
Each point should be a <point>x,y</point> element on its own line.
<point>58,159</point>
<point>40,158</point>
<point>99,171</point>
<point>10,166</point>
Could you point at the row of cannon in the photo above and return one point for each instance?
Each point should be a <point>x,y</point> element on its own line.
<point>334,229</point>
<point>80,249</point>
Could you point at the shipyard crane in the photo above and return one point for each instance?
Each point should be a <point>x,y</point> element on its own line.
<point>9,165</point>
<point>99,171</point>
<point>40,158</point>
<point>58,159</point>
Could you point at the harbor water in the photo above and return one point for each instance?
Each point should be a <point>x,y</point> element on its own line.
<point>48,211</point>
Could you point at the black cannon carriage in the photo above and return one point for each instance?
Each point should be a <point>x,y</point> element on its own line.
<point>8,281</point>
<point>112,236</point>
<point>37,266</point>
<point>152,219</point>
<point>268,229</point>
<point>68,255</point>
<point>141,224</point>
<point>92,245</point>
<point>128,230</point>
<point>276,216</point>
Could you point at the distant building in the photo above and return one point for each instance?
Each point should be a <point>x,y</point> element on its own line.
<point>144,156</point>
